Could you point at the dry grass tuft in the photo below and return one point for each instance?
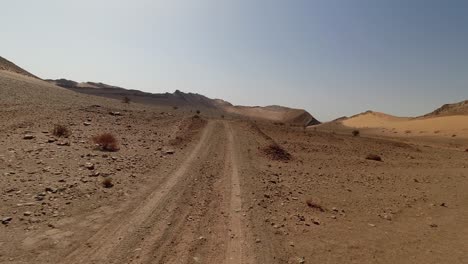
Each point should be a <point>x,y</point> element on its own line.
<point>106,142</point>
<point>374,157</point>
<point>107,183</point>
<point>61,131</point>
<point>356,133</point>
<point>314,205</point>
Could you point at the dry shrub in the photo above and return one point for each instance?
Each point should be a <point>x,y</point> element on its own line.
<point>374,157</point>
<point>106,142</point>
<point>276,152</point>
<point>61,131</point>
<point>175,107</point>
<point>107,183</point>
<point>126,100</point>
<point>198,112</point>
<point>196,117</point>
<point>466,150</point>
<point>356,133</point>
<point>314,205</point>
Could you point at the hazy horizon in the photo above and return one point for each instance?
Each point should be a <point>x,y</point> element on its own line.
<point>331,58</point>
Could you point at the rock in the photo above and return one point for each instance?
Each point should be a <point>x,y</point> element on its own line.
<point>27,213</point>
<point>40,196</point>
<point>86,123</point>
<point>63,143</point>
<point>258,240</point>
<point>169,151</point>
<point>374,157</point>
<point>89,166</point>
<point>115,113</point>
<point>27,136</point>
<point>433,225</point>
<point>6,220</point>
<point>51,189</point>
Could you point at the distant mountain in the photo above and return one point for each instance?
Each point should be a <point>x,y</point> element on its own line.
<point>192,100</point>
<point>6,65</point>
<point>460,108</point>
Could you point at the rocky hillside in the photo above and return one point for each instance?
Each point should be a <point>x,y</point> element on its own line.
<point>6,65</point>
<point>193,101</point>
<point>460,108</point>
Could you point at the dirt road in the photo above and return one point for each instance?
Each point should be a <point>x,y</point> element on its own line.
<point>159,228</point>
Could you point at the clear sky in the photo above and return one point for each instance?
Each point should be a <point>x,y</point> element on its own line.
<point>332,58</point>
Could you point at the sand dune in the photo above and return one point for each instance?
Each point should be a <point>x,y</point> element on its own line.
<point>442,126</point>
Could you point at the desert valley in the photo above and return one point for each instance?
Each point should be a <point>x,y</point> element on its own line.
<point>94,173</point>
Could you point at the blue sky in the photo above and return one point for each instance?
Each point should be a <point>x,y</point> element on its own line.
<point>330,57</point>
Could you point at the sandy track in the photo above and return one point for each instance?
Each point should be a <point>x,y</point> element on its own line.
<point>234,253</point>
<point>99,247</point>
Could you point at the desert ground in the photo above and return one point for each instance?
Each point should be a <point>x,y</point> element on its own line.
<point>183,187</point>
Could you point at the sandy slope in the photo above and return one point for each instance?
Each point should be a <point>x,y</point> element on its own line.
<point>436,126</point>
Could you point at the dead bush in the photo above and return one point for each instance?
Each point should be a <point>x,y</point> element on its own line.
<point>276,152</point>
<point>126,100</point>
<point>198,112</point>
<point>356,133</point>
<point>374,157</point>
<point>314,205</point>
<point>107,183</point>
<point>106,142</point>
<point>61,131</point>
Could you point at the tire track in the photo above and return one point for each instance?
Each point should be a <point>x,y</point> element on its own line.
<point>236,241</point>
<point>99,247</point>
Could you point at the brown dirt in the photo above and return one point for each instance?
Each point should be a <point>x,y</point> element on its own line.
<point>216,197</point>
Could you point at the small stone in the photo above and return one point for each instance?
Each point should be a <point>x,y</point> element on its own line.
<point>86,123</point>
<point>27,136</point>
<point>89,166</point>
<point>27,213</point>
<point>258,240</point>
<point>169,151</point>
<point>51,189</point>
<point>433,225</point>
<point>6,220</point>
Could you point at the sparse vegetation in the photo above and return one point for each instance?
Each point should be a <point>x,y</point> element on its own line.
<point>126,100</point>
<point>175,107</point>
<point>222,116</point>
<point>106,142</point>
<point>276,152</point>
<point>198,112</point>
<point>196,117</point>
<point>61,131</point>
<point>374,157</point>
<point>107,183</point>
<point>314,205</point>
<point>356,133</point>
